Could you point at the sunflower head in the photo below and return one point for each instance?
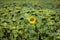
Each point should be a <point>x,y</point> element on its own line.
<point>32,19</point>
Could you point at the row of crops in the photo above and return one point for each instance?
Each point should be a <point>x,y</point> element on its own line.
<point>29,19</point>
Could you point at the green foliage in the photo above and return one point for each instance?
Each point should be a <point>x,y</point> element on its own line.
<point>14,24</point>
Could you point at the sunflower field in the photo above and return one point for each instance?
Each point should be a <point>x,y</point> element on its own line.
<point>29,19</point>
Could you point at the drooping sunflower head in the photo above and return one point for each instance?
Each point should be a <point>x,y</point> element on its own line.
<point>32,19</point>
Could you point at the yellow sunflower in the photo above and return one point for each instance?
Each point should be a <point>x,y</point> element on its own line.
<point>32,19</point>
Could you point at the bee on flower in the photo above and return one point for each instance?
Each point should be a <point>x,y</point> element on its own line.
<point>32,19</point>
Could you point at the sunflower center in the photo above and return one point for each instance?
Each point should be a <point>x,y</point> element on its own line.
<point>32,19</point>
